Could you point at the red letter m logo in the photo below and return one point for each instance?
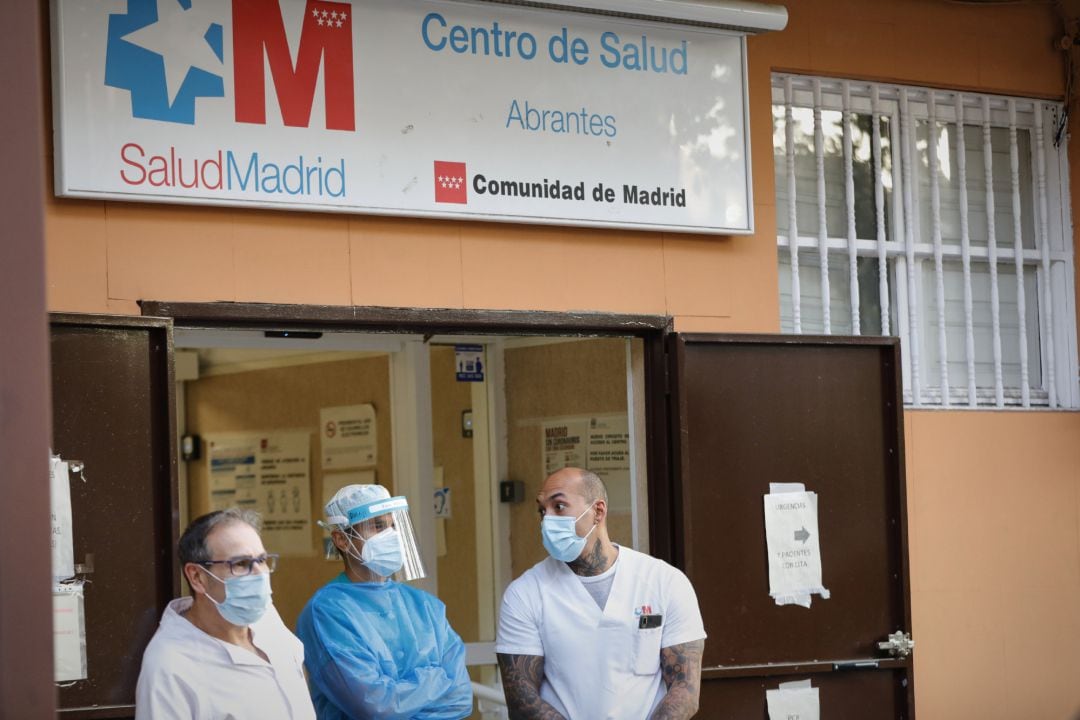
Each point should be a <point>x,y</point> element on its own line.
<point>326,39</point>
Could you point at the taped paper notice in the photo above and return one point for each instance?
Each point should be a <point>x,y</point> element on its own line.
<point>349,438</point>
<point>63,555</point>
<point>791,532</point>
<point>69,633</point>
<point>566,444</point>
<point>794,701</point>
<point>268,473</point>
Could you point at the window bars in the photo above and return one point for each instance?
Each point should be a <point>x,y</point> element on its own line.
<point>938,216</point>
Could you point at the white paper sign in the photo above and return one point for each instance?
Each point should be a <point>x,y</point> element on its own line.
<point>442,503</point>
<point>794,701</point>
<point>791,532</point>
<point>63,555</point>
<point>285,489</point>
<point>480,111</point>
<point>268,473</point>
<point>231,469</point>
<point>69,633</point>
<point>566,444</point>
<point>349,436</point>
<point>609,458</point>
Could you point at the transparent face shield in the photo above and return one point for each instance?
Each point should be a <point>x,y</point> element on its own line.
<point>379,531</point>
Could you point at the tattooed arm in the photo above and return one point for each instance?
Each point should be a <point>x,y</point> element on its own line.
<point>681,665</point>
<point>521,678</point>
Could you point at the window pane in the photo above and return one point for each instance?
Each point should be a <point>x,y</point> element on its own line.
<point>982,323</point>
<point>949,185</point>
<point>869,299</point>
<point>813,317</point>
<point>835,181</point>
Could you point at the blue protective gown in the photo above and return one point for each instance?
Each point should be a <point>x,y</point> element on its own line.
<point>382,650</point>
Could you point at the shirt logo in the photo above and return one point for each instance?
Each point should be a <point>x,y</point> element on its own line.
<point>450,182</point>
<point>643,610</point>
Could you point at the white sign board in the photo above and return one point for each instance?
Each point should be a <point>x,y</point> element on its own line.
<point>69,633</point>
<point>566,444</point>
<point>600,443</point>
<point>794,701</point>
<point>60,535</point>
<point>437,108</point>
<point>268,473</point>
<point>791,533</point>
<point>609,458</point>
<point>349,436</point>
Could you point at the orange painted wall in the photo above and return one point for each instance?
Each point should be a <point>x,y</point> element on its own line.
<point>994,524</point>
<point>995,535</point>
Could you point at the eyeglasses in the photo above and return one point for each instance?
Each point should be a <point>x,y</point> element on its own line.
<point>239,567</point>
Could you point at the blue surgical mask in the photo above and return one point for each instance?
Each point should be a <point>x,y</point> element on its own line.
<point>382,553</point>
<point>560,536</point>
<point>246,598</point>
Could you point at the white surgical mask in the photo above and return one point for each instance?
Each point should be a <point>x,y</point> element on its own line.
<point>382,552</point>
<point>560,536</point>
<point>246,597</point>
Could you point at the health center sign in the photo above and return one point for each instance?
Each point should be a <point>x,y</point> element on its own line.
<point>438,108</point>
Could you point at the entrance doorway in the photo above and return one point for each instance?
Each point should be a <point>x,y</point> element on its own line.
<point>469,447</point>
<point>725,417</point>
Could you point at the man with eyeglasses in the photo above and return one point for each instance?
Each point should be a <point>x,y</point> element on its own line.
<point>224,652</point>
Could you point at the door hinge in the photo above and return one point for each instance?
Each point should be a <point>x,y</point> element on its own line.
<point>899,644</point>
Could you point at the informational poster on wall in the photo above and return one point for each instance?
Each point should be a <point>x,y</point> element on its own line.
<point>269,473</point>
<point>794,548</point>
<point>609,457</point>
<point>512,113</point>
<point>69,633</point>
<point>349,436</point>
<point>599,443</point>
<point>60,535</point>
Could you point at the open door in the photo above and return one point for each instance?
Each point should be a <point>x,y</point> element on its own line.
<point>112,396</point>
<point>748,411</point>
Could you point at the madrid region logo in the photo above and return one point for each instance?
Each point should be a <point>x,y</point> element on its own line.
<point>450,182</point>
<point>167,54</point>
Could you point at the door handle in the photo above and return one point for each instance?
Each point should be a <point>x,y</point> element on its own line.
<point>899,644</point>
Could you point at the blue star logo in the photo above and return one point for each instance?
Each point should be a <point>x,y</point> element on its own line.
<point>165,52</point>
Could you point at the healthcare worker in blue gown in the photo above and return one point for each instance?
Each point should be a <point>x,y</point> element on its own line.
<point>374,647</point>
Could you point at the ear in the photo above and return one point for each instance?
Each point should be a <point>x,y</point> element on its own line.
<point>600,508</point>
<point>195,578</point>
<point>339,540</point>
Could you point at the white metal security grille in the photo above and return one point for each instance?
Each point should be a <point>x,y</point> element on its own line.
<point>938,216</point>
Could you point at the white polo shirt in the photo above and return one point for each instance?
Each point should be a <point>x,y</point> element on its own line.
<point>599,664</point>
<point>189,675</point>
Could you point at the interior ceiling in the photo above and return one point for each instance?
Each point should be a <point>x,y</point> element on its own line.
<point>211,359</point>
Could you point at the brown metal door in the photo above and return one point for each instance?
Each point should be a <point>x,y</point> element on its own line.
<point>827,412</point>
<point>112,393</point>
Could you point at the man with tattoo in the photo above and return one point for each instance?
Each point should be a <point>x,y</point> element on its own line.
<point>597,631</point>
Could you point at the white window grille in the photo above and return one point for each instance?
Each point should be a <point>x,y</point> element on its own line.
<point>938,216</point>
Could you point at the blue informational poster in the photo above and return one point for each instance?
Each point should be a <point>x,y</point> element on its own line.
<point>470,362</point>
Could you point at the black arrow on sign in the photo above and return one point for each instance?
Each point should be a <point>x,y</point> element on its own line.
<point>802,535</point>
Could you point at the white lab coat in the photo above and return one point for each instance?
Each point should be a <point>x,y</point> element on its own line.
<point>598,665</point>
<point>189,675</point>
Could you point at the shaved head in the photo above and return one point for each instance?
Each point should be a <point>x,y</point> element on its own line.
<point>588,484</point>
